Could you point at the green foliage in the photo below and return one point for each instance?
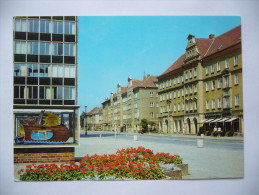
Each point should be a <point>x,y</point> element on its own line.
<point>82,117</point>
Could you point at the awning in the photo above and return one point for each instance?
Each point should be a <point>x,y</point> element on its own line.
<point>216,120</point>
<point>224,119</point>
<point>203,121</point>
<point>208,121</point>
<point>232,119</point>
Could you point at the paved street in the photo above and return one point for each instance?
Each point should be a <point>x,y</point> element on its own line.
<point>221,157</point>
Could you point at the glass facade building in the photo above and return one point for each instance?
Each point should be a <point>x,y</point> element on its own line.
<point>45,78</point>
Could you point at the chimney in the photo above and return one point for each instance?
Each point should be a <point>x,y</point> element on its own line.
<point>211,36</point>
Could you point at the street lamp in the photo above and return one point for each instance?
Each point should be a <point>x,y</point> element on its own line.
<point>168,106</point>
<point>85,121</point>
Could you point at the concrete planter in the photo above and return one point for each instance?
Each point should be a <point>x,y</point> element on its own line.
<point>184,168</point>
<point>174,174</point>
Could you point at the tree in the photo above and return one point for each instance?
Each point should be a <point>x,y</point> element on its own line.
<point>82,117</point>
<point>144,124</point>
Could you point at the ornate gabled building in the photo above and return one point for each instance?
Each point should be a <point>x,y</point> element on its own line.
<point>124,110</point>
<point>203,88</point>
<point>94,119</point>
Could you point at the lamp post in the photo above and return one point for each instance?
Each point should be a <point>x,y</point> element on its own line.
<point>85,121</point>
<point>168,124</point>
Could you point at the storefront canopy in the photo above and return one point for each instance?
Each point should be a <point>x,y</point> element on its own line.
<point>208,121</point>
<point>203,121</point>
<point>216,120</point>
<point>232,119</point>
<point>223,120</point>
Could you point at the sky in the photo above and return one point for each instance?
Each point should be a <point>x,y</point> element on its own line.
<point>112,48</point>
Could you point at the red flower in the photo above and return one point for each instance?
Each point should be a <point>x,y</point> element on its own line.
<point>27,170</point>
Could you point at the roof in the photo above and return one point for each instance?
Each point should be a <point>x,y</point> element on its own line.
<point>225,40</point>
<point>203,45</point>
<point>123,90</point>
<point>149,81</point>
<point>136,83</point>
<point>92,111</point>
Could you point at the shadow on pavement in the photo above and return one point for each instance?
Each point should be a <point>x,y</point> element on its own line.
<point>97,135</point>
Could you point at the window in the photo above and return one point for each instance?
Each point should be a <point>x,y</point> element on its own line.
<point>33,70</point>
<point>45,70</point>
<point>151,94</point>
<point>227,102</point>
<point>195,105</point>
<point>218,66</point>
<point>191,106</point>
<point>237,100</point>
<point>179,93</point>
<point>32,92</point>
<point>69,49</point>
<point>157,115</point>
<point>219,83</point>
<point>186,91</point>
<point>179,107</point>
<point>163,84</point>
<point>20,25</point>
<point>190,74</point>
<point>156,94</point>
<point>57,71</point>
<point>161,109</point>
<point>151,114</point>
<point>136,95</point>
<point>170,82</point>
<point>227,62</point>
<point>175,81</point>
<point>213,104</point>
<point>44,48</point>
<point>186,76</point>
<point>69,71</point>
<point>57,92</point>
<point>171,95</point>
<point>45,93</point>
<point>183,106</point>
<point>167,96</point>
<point>207,86</point>
<point>187,106</point>
<point>157,105</point>
<point>167,83</point>
<point>69,93</point>
<point>179,78</point>
<point>235,60</point>
<point>163,96</point>
<point>182,78</point>
<point>174,94</point>
<point>32,48</point>
<point>195,88</point>
<point>212,85</point>
<point>219,103</point>
<point>212,68</point>
<point>20,70</point>
<point>207,104</point>
<point>191,89</point>
<point>151,104</point>
<point>57,48</point>
<point>164,109</point>
<point>33,25</point>
<point>19,92</point>
<point>45,26</point>
<point>174,107</point>
<point>207,70</point>
<point>182,92</point>
<point>160,85</point>
<point>236,79</point>
<point>195,72</point>
<point>226,81</point>
<point>20,47</point>
<point>70,28</point>
<point>57,27</point>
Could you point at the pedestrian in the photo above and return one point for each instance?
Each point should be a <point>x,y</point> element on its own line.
<point>215,132</point>
<point>184,130</point>
<point>219,131</point>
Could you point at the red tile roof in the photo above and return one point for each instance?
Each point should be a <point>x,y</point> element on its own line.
<point>149,81</point>
<point>203,45</point>
<point>123,90</point>
<point>92,111</point>
<point>135,83</point>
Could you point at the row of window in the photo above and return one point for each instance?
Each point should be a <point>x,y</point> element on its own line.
<point>45,26</point>
<point>44,48</point>
<point>211,68</point>
<point>188,74</point>
<point>44,70</point>
<point>192,105</point>
<point>219,81</point>
<point>152,104</point>
<point>227,102</point>
<point>44,92</point>
<point>177,93</point>
<point>151,94</point>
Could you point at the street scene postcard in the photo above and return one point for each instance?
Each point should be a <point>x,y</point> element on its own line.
<point>98,98</point>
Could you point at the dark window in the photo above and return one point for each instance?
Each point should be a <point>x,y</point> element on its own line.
<point>32,80</point>
<point>45,37</point>
<point>57,59</point>
<point>32,58</point>
<point>69,81</point>
<point>19,101</point>
<point>44,81</point>
<point>19,57</point>
<point>20,35</point>
<point>19,80</point>
<point>69,102</point>
<point>44,59</point>
<point>57,81</point>
<point>57,102</point>
<point>16,91</point>
<point>70,38</point>
<point>57,17</point>
<point>31,101</point>
<point>46,102</point>
<point>57,37</point>
<point>45,17</point>
<point>35,17</point>
<point>71,18</point>
<point>33,36</point>
<point>69,60</point>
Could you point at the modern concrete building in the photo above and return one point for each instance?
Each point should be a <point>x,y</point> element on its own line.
<point>45,81</point>
<point>203,88</point>
<point>124,110</point>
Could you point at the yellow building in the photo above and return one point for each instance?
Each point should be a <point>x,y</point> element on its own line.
<point>203,88</point>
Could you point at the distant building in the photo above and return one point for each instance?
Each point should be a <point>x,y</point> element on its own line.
<point>94,119</point>
<point>124,110</point>
<point>203,87</point>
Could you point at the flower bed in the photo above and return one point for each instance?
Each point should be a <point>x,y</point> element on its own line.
<point>131,163</point>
